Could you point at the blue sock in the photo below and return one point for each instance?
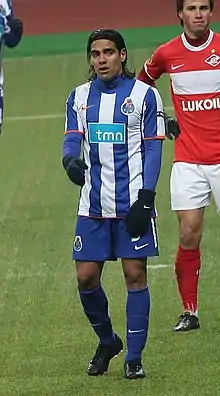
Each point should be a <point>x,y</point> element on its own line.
<point>95,306</point>
<point>137,310</point>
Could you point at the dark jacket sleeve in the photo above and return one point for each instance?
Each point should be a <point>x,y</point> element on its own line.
<point>13,37</point>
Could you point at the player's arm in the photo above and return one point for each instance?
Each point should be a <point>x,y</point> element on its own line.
<point>73,135</point>
<point>14,28</point>
<point>153,133</point>
<point>152,70</point>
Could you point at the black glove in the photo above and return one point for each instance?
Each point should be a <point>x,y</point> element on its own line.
<point>138,218</point>
<point>13,37</point>
<point>75,169</point>
<point>172,129</point>
<point>16,24</point>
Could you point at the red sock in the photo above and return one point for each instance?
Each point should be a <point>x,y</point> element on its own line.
<point>187,268</point>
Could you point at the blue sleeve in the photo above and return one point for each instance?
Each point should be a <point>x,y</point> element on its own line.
<point>152,163</point>
<point>153,134</point>
<point>74,133</point>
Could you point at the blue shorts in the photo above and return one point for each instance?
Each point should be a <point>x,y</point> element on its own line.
<point>107,239</point>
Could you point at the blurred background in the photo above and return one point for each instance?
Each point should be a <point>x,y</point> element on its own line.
<point>68,16</point>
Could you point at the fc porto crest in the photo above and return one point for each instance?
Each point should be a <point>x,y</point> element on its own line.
<point>77,245</point>
<point>127,107</point>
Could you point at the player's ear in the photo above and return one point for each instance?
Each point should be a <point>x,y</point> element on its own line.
<point>180,16</point>
<point>123,55</point>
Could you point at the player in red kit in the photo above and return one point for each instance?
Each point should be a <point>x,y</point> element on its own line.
<point>193,62</point>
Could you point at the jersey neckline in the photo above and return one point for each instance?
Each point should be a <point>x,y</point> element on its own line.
<point>200,47</point>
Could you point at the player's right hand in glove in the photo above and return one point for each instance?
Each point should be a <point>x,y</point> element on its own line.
<point>75,169</point>
<point>137,220</point>
<point>172,129</point>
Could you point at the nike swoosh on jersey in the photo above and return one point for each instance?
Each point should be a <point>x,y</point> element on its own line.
<point>84,107</point>
<point>177,66</point>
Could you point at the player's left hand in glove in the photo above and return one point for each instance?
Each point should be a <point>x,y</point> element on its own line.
<point>137,220</point>
<point>75,169</point>
<point>172,129</point>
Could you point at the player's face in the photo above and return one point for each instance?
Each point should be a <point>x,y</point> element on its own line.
<point>196,16</point>
<point>106,59</point>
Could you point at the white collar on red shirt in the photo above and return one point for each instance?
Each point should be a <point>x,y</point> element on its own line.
<point>200,47</point>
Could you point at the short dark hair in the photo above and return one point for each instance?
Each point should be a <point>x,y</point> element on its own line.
<point>180,5</point>
<point>118,39</point>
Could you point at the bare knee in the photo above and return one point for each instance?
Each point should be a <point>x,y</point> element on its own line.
<point>88,275</point>
<point>190,228</point>
<point>190,236</point>
<point>135,273</point>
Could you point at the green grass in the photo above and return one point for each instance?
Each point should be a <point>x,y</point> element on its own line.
<point>46,341</point>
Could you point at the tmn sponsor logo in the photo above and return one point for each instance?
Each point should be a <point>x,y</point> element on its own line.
<point>200,105</point>
<point>106,133</point>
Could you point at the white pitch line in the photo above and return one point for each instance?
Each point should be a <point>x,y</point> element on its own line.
<point>158,266</point>
<point>42,273</point>
<point>35,117</point>
<point>48,116</point>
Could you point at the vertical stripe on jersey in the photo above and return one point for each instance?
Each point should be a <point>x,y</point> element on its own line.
<point>122,196</point>
<point>106,156</point>
<point>92,115</point>
<point>160,108</point>
<point>150,116</point>
<point>134,145</point>
<point>72,119</point>
<point>82,98</point>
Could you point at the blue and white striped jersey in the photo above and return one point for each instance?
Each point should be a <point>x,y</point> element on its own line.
<point>114,124</point>
<point>5,13</point>
<point>5,8</point>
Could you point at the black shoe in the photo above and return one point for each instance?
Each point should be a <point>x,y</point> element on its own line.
<point>187,322</point>
<point>104,353</point>
<point>134,369</point>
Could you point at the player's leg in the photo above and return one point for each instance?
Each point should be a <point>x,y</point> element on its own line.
<point>137,313</point>
<point>187,266</point>
<point>91,248</point>
<point>213,175</point>
<point>190,193</point>
<point>134,253</point>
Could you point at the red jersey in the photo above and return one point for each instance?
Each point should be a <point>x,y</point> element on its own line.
<point>195,88</point>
